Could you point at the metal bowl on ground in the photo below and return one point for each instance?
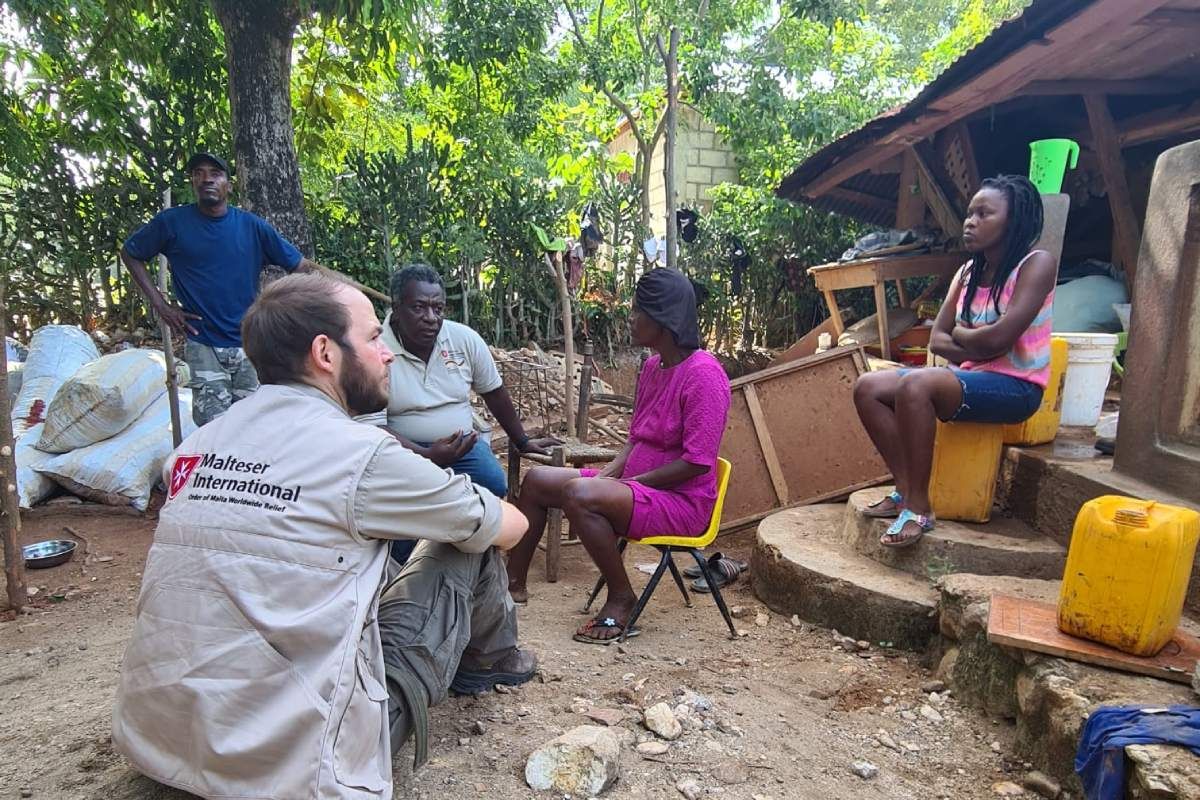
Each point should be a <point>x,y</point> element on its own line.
<point>41,555</point>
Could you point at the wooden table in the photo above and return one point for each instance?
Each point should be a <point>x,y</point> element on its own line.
<point>875,272</point>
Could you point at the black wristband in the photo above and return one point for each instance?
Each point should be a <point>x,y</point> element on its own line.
<point>521,443</point>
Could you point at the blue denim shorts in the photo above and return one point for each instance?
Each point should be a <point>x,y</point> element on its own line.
<point>992,397</point>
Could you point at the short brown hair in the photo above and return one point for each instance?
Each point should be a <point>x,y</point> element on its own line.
<point>279,328</point>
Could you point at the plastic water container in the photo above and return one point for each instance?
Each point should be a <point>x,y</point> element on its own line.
<point>1043,425</point>
<point>1127,573</point>
<point>966,461</point>
<point>1049,160</point>
<point>1089,366</point>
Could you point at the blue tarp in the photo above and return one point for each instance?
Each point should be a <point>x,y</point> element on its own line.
<point>1100,760</point>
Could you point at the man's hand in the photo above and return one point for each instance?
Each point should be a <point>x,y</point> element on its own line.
<point>176,317</point>
<point>541,445</point>
<point>445,452</point>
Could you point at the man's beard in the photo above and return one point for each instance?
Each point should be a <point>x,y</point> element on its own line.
<point>363,396</point>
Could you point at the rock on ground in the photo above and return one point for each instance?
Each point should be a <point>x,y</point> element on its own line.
<point>1007,789</point>
<point>1042,784</point>
<point>653,748</point>
<point>690,788</point>
<point>585,760</point>
<point>661,720</point>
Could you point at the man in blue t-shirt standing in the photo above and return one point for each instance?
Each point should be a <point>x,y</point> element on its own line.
<point>216,253</point>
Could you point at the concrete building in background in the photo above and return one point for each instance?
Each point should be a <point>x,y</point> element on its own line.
<point>702,160</point>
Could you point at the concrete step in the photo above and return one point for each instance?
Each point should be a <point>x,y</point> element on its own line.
<point>801,565</point>
<point>1045,487</point>
<point>1003,546</point>
<point>1050,698</point>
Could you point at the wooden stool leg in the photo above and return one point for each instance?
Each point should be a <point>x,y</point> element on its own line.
<point>554,525</point>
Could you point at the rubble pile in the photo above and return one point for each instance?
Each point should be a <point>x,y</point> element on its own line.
<point>534,379</point>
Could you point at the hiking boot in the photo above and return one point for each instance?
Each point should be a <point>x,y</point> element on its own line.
<point>514,669</point>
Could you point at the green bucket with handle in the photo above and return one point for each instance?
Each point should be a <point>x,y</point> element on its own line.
<point>1048,162</point>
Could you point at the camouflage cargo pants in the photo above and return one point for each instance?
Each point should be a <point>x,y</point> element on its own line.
<point>220,377</point>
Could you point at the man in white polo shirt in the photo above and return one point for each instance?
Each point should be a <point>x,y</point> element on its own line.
<point>438,364</point>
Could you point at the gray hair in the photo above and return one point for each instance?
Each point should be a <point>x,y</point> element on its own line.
<point>416,271</point>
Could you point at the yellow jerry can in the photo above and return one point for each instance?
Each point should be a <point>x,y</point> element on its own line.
<point>1127,573</point>
<point>1042,427</point>
<point>966,461</point>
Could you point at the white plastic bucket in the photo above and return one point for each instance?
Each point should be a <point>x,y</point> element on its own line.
<point>1089,366</point>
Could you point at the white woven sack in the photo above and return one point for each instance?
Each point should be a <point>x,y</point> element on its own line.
<point>123,470</point>
<point>102,399</point>
<point>32,486</point>
<point>55,352</point>
<point>16,374</point>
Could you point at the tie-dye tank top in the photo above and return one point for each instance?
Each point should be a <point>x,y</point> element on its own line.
<point>1029,358</point>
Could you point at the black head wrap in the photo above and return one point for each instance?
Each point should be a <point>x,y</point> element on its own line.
<point>667,296</point>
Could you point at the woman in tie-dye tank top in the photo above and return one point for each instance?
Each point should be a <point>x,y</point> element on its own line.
<point>994,328</point>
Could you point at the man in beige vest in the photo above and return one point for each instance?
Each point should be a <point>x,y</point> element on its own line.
<point>273,655</point>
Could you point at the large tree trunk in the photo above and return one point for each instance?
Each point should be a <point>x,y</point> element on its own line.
<point>258,39</point>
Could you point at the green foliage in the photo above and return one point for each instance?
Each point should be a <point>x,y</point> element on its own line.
<point>777,302</point>
<point>97,123</point>
<point>444,131</point>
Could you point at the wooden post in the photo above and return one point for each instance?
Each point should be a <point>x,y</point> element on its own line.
<point>881,317</point>
<point>935,196</point>
<point>10,508</point>
<point>1108,150</point>
<point>168,346</point>
<point>568,326</point>
<point>514,472</point>
<point>910,207</point>
<point>670,63</point>
<point>554,521</point>
<point>585,393</point>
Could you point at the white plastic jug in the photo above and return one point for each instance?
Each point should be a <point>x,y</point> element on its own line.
<point>1089,366</point>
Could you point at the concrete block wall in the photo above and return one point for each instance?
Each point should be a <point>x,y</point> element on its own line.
<point>702,160</point>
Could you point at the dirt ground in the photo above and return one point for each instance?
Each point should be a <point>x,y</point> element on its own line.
<point>791,710</point>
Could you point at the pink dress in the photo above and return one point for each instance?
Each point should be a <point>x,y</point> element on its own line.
<point>679,412</point>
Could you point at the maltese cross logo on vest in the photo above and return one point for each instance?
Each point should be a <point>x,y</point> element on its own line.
<point>180,473</point>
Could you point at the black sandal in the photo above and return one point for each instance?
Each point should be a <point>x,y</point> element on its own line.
<point>724,572</point>
<point>608,623</point>
<point>713,560</point>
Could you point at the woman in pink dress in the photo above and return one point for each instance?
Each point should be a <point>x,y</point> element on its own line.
<point>664,480</point>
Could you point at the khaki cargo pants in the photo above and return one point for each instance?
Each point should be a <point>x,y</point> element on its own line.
<point>220,377</point>
<point>443,607</point>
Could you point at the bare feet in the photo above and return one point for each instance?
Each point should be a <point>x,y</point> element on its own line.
<point>520,595</point>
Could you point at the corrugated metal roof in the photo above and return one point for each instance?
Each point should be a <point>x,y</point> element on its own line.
<point>1040,17</point>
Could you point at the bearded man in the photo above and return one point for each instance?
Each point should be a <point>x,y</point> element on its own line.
<point>273,654</point>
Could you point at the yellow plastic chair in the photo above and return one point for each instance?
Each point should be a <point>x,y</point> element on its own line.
<point>668,545</point>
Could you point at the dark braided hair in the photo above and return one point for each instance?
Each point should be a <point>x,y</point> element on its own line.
<point>1021,232</point>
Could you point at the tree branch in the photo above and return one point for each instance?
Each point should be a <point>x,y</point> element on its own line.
<point>620,104</point>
